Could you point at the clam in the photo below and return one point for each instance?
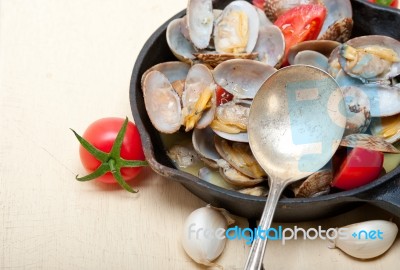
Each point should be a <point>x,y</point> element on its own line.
<point>162,102</point>
<point>231,117</point>
<point>213,58</point>
<point>384,100</point>
<point>324,47</point>
<point>387,127</point>
<point>182,156</point>
<point>369,142</point>
<point>204,145</point>
<point>234,177</point>
<point>173,70</point>
<point>200,19</point>
<point>270,46</point>
<point>242,78</point>
<point>198,98</point>
<point>358,110</point>
<point>311,58</point>
<point>315,185</point>
<point>178,44</point>
<point>236,29</point>
<point>371,58</point>
<point>239,156</point>
<point>338,22</point>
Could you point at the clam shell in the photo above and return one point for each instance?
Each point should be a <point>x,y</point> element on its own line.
<point>383,41</point>
<point>316,184</point>
<point>384,100</point>
<point>234,177</point>
<point>369,142</point>
<point>173,70</point>
<point>200,19</point>
<point>198,79</point>
<point>339,31</point>
<point>358,110</point>
<point>178,44</point>
<point>214,59</point>
<point>226,28</point>
<point>204,145</point>
<point>162,103</point>
<point>239,156</point>
<point>387,128</point>
<point>324,47</point>
<point>270,45</point>
<point>242,78</point>
<point>311,58</point>
<point>339,13</point>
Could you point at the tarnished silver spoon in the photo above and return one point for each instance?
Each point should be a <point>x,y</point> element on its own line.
<point>296,122</point>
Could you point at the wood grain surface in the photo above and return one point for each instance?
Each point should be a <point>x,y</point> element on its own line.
<point>64,64</point>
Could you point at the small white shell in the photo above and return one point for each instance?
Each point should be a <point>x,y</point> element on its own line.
<point>162,102</point>
<point>200,19</point>
<point>241,77</point>
<point>177,43</point>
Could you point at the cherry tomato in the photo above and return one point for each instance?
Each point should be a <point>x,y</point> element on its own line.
<point>102,135</point>
<point>361,166</point>
<point>301,23</point>
<point>391,3</point>
<point>223,96</point>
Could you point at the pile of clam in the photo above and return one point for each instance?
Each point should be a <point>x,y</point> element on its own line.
<point>233,51</point>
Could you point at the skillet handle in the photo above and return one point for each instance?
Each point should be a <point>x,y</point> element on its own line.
<point>385,196</point>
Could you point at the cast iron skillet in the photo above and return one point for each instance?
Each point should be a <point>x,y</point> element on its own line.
<point>383,192</point>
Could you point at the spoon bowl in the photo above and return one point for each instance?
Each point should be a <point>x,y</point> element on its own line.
<point>296,122</point>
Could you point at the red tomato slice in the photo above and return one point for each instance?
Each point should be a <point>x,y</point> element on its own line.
<point>360,167</point>
<point>301,23</point>
<point>223,96</point>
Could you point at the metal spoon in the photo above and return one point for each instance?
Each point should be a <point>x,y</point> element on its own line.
<point>296,122</point>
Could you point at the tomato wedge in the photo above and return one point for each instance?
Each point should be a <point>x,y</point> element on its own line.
<point>223,96</point>
<point>360,167</point>
<point>301,23</point>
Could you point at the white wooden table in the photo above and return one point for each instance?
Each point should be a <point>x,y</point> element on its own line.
<point>64,64</point>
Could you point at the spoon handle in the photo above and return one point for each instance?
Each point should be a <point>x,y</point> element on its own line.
<point>256,255</point>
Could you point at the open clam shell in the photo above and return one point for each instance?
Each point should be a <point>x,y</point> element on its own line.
<point>369,142</point>
<point>173,70</point>
<point>242,78</point>
<point>200,19</point>
<point>311,58</point>
<point>384,100</point>
<point>235,177</point>
<point>270,45</point>
<point>338,22</point>
<point>358,110</point>
<point>199,82</point>
<point>204,144</point>
<point>324,47</point>
<point>371,58</point>
<point>239,156</point>
<point>236,29</point>
<point>162,102</point>
<point>178,44</point>
<point>315,185</point>
<point>387,127</point>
